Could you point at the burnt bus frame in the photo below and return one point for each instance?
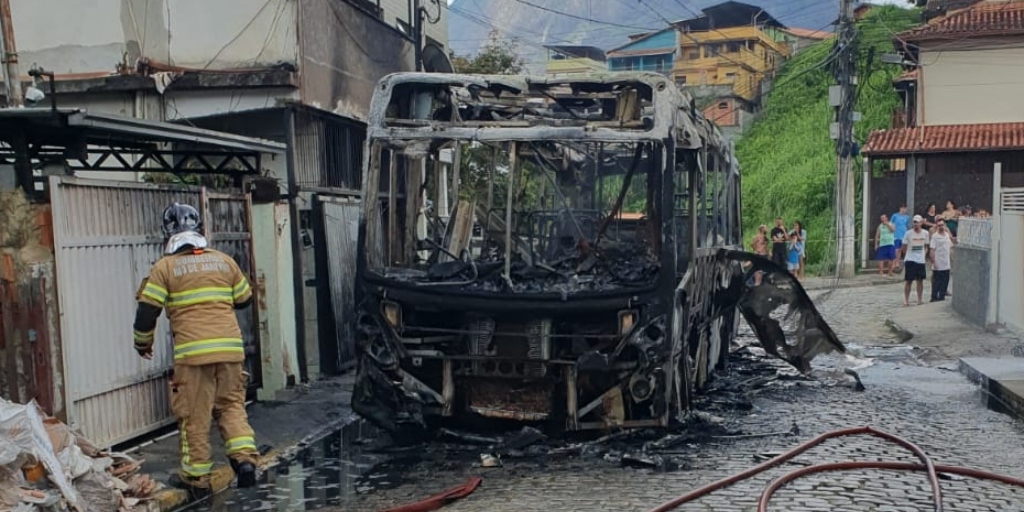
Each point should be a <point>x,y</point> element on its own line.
<point>669,127</point>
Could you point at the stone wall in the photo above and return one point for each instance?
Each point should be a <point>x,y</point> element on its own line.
<point>970,283</point>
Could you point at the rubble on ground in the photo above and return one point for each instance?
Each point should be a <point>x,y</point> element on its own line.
<point>45,466</point>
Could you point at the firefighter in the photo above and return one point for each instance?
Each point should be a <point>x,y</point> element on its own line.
<point>200,288</point>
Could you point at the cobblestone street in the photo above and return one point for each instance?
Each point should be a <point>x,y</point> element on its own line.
<point>934,407</point>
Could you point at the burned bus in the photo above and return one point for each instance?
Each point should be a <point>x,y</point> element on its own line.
<point>550,250</point>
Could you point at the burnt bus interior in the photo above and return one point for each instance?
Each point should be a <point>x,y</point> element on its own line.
<point>531,277</point>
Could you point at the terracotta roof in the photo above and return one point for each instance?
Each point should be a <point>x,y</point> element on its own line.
<point>985,18</point>
<point>808,33</point>
<point>946,139</point>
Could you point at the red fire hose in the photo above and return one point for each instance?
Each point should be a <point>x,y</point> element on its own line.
<point>439,500</point>
<point>766,495</point>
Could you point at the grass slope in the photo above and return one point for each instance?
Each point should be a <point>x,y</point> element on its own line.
<point>788,160</point>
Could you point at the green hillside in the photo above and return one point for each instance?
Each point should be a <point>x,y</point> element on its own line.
<point>787,159</point>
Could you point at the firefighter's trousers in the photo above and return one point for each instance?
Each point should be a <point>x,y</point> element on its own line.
<point>204,392</point>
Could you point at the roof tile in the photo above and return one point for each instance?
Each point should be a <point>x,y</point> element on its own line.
<point>985,18</point>
<point>946,139</point>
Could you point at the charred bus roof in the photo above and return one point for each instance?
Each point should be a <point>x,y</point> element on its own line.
<point>606,107</point>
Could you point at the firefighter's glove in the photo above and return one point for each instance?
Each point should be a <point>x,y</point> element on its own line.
<point>145,353</point>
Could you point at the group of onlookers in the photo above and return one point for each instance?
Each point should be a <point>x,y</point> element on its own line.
<point>785,248</point>
<point>919,241</point>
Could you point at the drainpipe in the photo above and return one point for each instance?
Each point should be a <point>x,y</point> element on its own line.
<point>12,77</point>
<point>293,212</point>
<point>865,216</point>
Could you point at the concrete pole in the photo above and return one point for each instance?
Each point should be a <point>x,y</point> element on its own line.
<point>865,215</point>
<point>992,314</point>
<point>12,76</point>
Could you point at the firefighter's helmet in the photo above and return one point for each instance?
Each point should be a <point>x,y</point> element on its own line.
<point>179,218</point>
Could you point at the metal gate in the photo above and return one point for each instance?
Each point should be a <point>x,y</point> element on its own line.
<point>1010,303</point>
<point>338,231</point>
<point>106,237</point>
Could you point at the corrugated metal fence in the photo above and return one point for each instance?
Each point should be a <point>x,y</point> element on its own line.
<point>106,237</point>
<point>337,264</point>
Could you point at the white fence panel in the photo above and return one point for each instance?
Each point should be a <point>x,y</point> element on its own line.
<point>106,237</point>
<point>974,233</point>
<point>1010,304</point>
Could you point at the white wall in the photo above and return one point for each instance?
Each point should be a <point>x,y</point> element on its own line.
<point>81,36</point>
<point>399,10</point>
<point>975,86</point>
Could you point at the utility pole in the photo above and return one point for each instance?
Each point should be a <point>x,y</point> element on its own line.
<point>842,97</point>
<point>417,30</point>
<point>12,77</point>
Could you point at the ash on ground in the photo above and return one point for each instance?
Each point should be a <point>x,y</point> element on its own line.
<point>718,417</point>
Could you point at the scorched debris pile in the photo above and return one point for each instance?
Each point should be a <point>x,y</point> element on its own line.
<point>46,466</point>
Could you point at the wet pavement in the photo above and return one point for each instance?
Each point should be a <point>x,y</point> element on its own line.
<point>325,473</point>
<point>757,409</point>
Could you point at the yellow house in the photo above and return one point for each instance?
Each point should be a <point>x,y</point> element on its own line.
<point>734,45</point>
<point>574,60</point>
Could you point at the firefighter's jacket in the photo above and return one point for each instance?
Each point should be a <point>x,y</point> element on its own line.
<point>200,290</point>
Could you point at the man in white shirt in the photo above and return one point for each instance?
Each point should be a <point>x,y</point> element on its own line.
<point>941,246</point>
<point>915,254</point>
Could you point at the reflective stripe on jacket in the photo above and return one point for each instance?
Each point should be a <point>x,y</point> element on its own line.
<point>198,290</point>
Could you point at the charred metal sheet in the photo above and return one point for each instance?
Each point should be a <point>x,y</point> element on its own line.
<point>796,334</point>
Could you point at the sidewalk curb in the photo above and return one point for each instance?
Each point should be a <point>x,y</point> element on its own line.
<point>170,499</point>
<point>845,284</point>
<point>902,333</point>
<point>1000,397</point>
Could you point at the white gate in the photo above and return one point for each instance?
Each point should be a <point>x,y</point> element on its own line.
<point>106,237</point>
<point>1010,303</point>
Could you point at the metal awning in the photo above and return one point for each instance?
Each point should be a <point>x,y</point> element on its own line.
<point>31,138</point>
<point>113,128</point>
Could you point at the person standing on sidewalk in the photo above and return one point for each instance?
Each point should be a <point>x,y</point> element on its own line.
<point>885,249</point>
<point>200,289</point>
<point>779,238</point>
<point>900,221</point>
<point>941,245</point>
<point>915,251</point>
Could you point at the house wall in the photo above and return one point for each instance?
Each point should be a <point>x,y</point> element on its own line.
<point>398,10</point>
<point>975,86</point>
<point>971,291</point>
<point>964,178</point>
<point>574,66</point>
<point>706,58</point>
<point>345,51</point>
<point>81,37</point>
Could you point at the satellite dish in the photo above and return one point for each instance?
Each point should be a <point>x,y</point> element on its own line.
<point>435,60</point>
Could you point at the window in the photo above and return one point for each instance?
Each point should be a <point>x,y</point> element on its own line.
<point>693,55</point>
<point>710,50</point>
<point>681,80</point>
<point>722,105</point>
<point>735,47</point>
<point>730,76</point>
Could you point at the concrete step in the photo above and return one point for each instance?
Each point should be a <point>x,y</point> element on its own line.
<point>1002,380</point>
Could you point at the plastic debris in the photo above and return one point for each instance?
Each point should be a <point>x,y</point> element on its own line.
<point>45,466</point>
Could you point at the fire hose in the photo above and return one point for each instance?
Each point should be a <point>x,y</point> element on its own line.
<point>766,495</point>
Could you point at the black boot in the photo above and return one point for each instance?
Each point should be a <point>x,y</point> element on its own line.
<point>246,473</point>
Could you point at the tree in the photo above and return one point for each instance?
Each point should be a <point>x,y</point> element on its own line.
<point>497,57</point>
